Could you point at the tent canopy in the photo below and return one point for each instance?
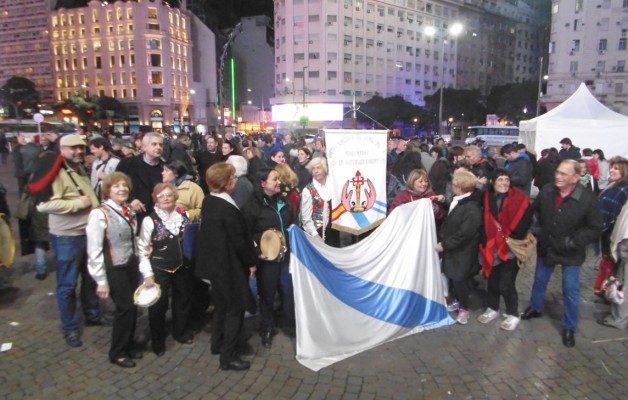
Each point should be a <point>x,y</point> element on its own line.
<point>584,120</point>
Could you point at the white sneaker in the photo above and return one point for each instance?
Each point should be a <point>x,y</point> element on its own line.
<point>463,317</point>
<point>510,323</point>
<point>488,316</point>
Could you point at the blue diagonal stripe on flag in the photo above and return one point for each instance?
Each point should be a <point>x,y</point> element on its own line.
<point>393,305</point>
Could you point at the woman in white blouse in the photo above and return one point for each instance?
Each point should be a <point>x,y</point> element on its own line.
<point>160,248</point>
<point>316,205</point>
<point>113,264</point>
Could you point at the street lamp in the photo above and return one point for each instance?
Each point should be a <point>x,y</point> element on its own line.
<point>539,93</point>
<point>453,31</point>
<point>304,120</point>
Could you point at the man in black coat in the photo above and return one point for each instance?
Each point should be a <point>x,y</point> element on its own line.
<point>569,219</point>
<point>519,168</point>
<point>145,172</point>
<point>482,168</point>
<point>207,158</point>
<point>568,151</point>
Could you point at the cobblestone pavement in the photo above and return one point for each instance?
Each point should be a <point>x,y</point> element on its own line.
<point>474,361</point>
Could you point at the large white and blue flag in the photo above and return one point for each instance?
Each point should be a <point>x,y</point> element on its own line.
<point>355,298</point>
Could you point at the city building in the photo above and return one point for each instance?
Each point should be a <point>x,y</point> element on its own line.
<point>24,43</point>
<point>139,52</point>
<point>588,43</point>
<point>332,51</point>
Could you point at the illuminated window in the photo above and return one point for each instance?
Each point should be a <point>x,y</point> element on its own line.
<point>152,13</point>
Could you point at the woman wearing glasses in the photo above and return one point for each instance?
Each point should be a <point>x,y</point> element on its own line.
<point>162,262</point>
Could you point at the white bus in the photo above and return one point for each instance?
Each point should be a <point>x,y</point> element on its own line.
<point>495,135</point>
<point>12,127</point>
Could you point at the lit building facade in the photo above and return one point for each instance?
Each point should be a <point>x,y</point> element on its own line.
<point>328,51</point>
<point>135,51</point>
<point>24,43</point>
<point>588,44</point>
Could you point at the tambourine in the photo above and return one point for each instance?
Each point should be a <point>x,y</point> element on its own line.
<point>146,296</point>
<point>7,243</point>
<point>272,244</point>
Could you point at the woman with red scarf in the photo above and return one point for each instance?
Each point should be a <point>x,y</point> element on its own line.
<point>505,215</point>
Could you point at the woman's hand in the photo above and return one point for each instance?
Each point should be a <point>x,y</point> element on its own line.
<point>149,281</point>
<point>263,257</point>
<point>102,291</point>
<point>252,271</point>
<point>137,206</point>
<point>439,247</point>
<point>438,198</point>
<point>149,250</point>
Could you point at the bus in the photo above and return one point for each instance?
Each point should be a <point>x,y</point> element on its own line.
<point>12,127</point>
<point>494,135</point>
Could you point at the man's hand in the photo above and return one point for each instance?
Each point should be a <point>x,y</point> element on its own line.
<point>252,271</point>
<point>86,200</point>
<point>137,206</point>
<point>149,281</point>
<point>439,247</point>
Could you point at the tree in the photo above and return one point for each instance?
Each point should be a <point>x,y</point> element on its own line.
<point>388,110</point>
<point>20,93</point>
<point>509,101</point>
<point>87,108</point>
<point>467,105</point>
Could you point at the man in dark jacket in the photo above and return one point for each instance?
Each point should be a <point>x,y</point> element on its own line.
<point>569,219</point>
<point>482,168</point>
<point>519,168</point>
<point>568,151</point>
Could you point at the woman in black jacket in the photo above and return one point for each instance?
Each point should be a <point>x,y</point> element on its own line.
<point>268,210</point>
<point>460,237</point>
<point>227,259</point>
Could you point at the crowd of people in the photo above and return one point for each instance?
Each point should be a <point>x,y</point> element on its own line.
<point>118,216</point>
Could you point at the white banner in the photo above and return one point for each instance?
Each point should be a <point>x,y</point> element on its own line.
<point>357,172</point>
<point>353,299</point>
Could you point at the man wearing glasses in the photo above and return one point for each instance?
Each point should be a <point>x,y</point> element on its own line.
<point>569,220</point>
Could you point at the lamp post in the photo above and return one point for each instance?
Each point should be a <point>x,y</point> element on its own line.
<point>453,31</point>
<point>304,121</point>
<point>539,93</point>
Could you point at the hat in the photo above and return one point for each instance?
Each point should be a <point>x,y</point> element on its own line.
<point>72,140</point>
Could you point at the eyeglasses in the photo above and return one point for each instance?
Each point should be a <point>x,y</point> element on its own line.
<point>165,195</point>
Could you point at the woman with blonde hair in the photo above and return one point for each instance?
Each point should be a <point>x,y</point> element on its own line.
<point>289,186</point>
<point>459,241</point>
<point>315,212</point>
<point>419,187</point>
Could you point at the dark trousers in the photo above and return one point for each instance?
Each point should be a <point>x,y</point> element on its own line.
<point>501,282</point>
<point>227,323</point>
<point>200,303</point>
<point>461,290</point>
<point>179,287</point>
<point>270,276</point>
<point>122,285</point>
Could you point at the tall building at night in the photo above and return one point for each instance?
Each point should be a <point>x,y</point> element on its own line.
<point>588,44</point>
<point>138,52</point>
<point>328,51</point>
<point>24,43</point>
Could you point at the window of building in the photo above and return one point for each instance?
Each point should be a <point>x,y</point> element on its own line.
<point>331,75</point>
<point>112,61</point>
<point>313,74</point>
<point>155,78</point>
<point>114,80</point>
<point>158,92</point>
<point>575,45</point>
<point>84,62</point>
<point>154,60</point>
<point>132,60</point>
<point>573,66</point>
<point>98,62</point>
<point>601,66</point>
<point>152,13</point>
<point>94,15</point>
<point>622,44</point>
<point>314,18</point>
<point>154,44</point>
<point>621,65</point>
<point>602,44</point>
<point>314,56</point>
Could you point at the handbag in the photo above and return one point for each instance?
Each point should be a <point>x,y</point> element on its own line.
<point>25,207</point>
<point>523,249</point>
<point>190,236</point>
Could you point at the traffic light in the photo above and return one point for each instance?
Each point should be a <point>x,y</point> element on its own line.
<point>90,111</point>
<point>19,103</point>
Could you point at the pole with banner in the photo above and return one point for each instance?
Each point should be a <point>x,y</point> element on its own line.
<point>357,172</point>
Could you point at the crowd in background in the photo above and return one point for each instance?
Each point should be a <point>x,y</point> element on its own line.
<point>153,188</point>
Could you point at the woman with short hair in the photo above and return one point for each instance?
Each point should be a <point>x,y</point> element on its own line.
<point>419,187</point>
<point>315,214</point>
<point>460,237</point>
<point>227,259</point>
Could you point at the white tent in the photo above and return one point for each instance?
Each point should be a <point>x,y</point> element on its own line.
<point>583,119</point>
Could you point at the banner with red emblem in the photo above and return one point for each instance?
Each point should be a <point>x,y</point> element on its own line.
<point>357,173</point>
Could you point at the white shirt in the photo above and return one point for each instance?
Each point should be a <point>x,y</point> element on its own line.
<point>173,223</point>
<point>306,207</point>
<point>226,197</point>
<point>456,199</point>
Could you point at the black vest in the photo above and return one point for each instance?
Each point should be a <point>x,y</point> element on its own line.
<point>167,252</point>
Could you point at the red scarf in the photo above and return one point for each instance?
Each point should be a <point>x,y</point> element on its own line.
<point>513,207</point>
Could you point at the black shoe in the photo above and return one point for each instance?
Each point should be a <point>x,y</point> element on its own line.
<point>235,365</point>
<point>186,338</point>
<point>568,338</point>
<point>267,339</point>
<point>41,276</point>
<point>530,313</point>
<point>159,349</point>
<point>135,354</point>
<point>73,339</point>
<point>124,362</point>
<point>93,322</point>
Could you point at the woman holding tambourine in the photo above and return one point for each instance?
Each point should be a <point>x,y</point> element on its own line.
<point>112,262</point>
<point>268,217</point>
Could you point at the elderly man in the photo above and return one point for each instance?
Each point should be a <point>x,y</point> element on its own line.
<point>68,209</point>
<point>145,172</point>
<point>569,219</point>
<point>482,168</point>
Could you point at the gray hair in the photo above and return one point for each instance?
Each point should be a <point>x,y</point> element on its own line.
<point>240,164</point>
<point>475,150</point>
<point>151,135</point>
<point>318,161</point>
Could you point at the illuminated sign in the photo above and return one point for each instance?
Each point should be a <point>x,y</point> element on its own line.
<point>313,112</point>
